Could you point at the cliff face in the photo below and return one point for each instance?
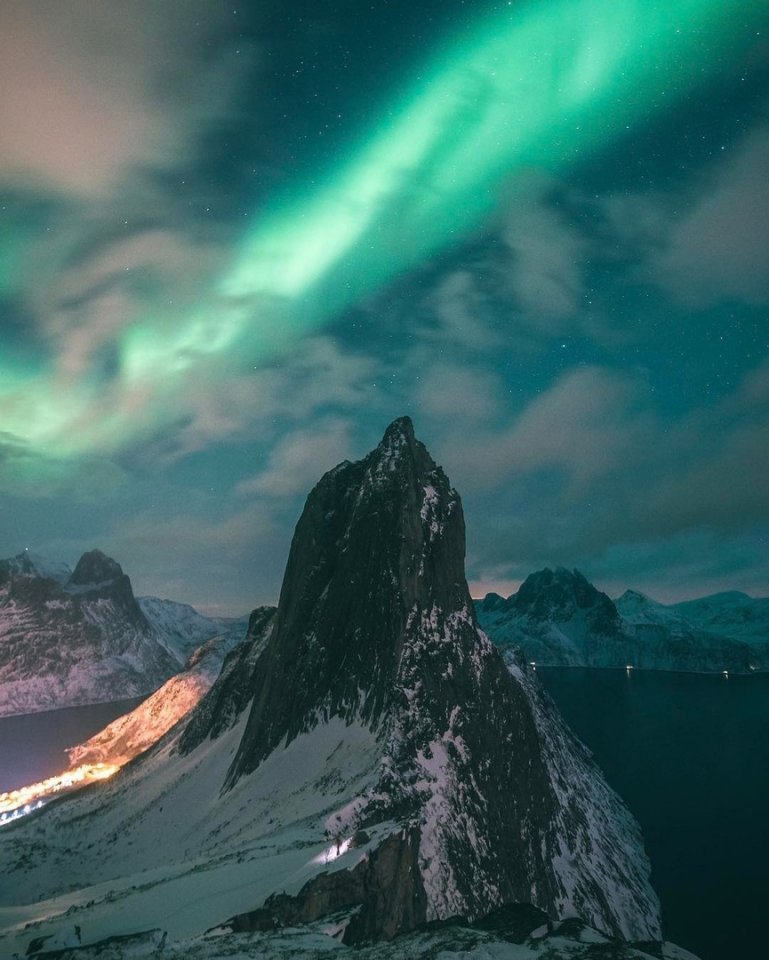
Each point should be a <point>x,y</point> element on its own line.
<point>373,758</point>
<point>377,540</point>
<point>71,637</point>
<point>375,626</point>
<point>232,693</point>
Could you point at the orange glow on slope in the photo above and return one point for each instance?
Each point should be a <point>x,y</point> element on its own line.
<point>16,803</point>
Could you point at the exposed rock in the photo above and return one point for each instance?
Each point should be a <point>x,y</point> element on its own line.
<point>223,704</point>
<point>73,642</point>
<point>377,712</point>
<point>385,888</point>
<point>375,625</point>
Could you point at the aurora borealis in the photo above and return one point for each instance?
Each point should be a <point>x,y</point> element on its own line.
<point>235,242</point>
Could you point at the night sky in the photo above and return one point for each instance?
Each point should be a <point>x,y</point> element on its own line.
<point>236,240</point>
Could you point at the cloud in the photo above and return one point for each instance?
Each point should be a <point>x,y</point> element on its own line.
<point>91,303</point>
<point>319,379</point>
<point>27,473</point>
<point>585,426</point>
<point>719,249</point>
<point>549,257</point>
<point>92,90</point>
<point>221,560</point>
<point>717,462</point>
<point>450,392</point>
<point>687,565</point>
<point>591,475</point>
<point>708,242</point>
<point>462,313</point>
<point>299,460</point>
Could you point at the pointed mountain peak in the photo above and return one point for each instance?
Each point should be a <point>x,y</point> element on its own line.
<point>399,432</point>
<point>378,540</point>
<point>95,567</point>
<point>560,595</point>
<point>399,451</point>
<point>99,577</point>
<point>375,633</point>
<point>634,598</point>
<point>635,595</point>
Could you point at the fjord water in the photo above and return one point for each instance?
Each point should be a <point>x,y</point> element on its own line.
<point>32,747</point>
<point>689,754</point>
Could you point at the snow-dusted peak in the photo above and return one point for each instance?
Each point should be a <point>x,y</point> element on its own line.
<point>731,613</point>
<point>376,539</point>
<point>375,628</point>
<point>398,435</point>
<point>374,754</point>
<point>65,639</point>
<point>636,607</point>
<point>32,564</point>
<point>397,451</point>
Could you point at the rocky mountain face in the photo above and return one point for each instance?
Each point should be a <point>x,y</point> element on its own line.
<point>78,640</point>
<point>512,932</point>
<point>558,618</point>
<point>373,760</point>
<point>375,625</point>
<point>74,637</point>
<point>234,689</point>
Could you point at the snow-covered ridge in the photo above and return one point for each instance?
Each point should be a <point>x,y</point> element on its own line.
<point>182,629</point>
<point>28,562</point>
<point>558,618</point>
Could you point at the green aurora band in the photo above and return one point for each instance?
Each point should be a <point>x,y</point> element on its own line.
<point>538,86</point>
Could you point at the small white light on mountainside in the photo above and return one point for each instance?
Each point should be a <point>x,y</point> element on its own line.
<point>336,850</point>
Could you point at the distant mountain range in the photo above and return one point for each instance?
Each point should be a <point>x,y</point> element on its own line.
<point>558,618</point>
<point>71,637</point>
<point>79,636</point>
<point>366,765</point>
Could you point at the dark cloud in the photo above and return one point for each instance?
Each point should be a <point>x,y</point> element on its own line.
<point>648,481</point>
<point>93,91</point>
<point>707,242</point>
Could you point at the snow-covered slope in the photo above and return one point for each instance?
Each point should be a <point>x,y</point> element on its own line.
<point>558,618</point>
<point>135,732</point>
<point>33,564</point>
<point>181,629</point>
<point>377,759</point>
<point>76,637</point>
<point>732,614</point>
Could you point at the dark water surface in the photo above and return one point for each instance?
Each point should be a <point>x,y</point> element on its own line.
<point>689,754</point>
<point>32,746</point>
